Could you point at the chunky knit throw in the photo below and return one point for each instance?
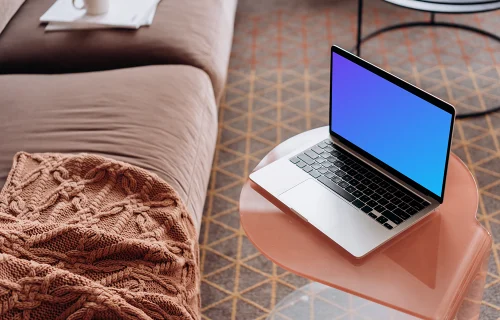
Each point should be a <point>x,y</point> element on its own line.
<point>85,237</point>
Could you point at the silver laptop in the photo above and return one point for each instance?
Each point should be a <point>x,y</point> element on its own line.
<point>381,169</point>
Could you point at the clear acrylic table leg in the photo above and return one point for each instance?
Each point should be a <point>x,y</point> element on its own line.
<point>319,302</point>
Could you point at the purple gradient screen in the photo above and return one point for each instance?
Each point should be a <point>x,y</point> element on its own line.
<point>395,126</point>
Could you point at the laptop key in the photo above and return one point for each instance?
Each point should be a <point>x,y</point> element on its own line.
<point>359,176</point>
<point>311,154</point>
<point>388,196</point>
<point>320,160</point>
<point>383,201</point>
<point>350,189</point>
<point>323,170</point>
<point>366,209</point>
<point>376,196</point>
<point>327,164</point>
<point>379,208</point>
<point>306,158</point>
<point>358,203</point>
<point>357,193</point>
<point>388,226</point>
<point>354,182</point>
<point>317,149</point>
<point>329,175</point>
<point>316,166</point>
<point>355,166</point>
<point>403,206</point>
<point>391,189</point>
<point>300,164</point>
<point>390,206</point>
<point>347,178</point>
<point>396,201</point>
<point>307,169</point>
<point>369,192</point>
<point>365,198</point>
<point>366,181</point>
<point>372,203</point>
<point>336,179</point>
<point>340,173</point>
<point>345,167</point>
<point>343,184</point>
<point>372,215</point>
<point>399,194</point>
<point>401,213</point>
<point>294,160</point>
<point>416,205</point>
<point>322,145</point>
<point>315,173</point>
<point>361,187</point>
<point>411,211</point>
<point>382,220</point>
<point>344,194</point>
<point>333,169</point>
<point>369,175</point>
<point>391,216</point>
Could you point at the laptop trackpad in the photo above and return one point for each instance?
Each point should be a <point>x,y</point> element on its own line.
<point>321,207</point>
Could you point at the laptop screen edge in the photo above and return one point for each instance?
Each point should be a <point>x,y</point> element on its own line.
<point>410,88</point>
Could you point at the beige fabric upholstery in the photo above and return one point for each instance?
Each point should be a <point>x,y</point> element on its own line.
<point>160,118</point>
<point>190,32</point>
<point>8,9</point>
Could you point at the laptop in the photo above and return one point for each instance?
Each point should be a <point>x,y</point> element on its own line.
<point>381,169</point>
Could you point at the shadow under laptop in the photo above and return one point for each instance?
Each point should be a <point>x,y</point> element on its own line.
<point>416,250</point>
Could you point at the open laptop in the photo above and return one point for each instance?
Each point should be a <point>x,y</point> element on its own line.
<point>381,169</point>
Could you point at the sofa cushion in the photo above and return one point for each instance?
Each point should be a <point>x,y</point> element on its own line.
<point>160,118</point>
<point>191,32</point>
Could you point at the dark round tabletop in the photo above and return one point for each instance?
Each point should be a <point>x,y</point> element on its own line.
<point>449,6</point>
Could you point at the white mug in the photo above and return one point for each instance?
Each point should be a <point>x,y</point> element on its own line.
<point>94,7</point>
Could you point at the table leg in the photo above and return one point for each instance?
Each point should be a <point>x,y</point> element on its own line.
<point>360,25</point>
<point>471,304</point>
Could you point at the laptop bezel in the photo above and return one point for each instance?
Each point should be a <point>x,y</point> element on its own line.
<point>410,88</point>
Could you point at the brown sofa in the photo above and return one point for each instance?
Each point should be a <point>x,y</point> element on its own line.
<point>147,97</point>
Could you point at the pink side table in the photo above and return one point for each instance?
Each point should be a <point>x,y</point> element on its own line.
<point>435,270</point>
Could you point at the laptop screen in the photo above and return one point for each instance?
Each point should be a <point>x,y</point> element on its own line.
<point>397,127</point>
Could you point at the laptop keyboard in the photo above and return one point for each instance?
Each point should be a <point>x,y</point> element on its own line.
<point>383,200</point>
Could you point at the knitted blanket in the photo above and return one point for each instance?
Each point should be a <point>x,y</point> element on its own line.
<point>85,237</point>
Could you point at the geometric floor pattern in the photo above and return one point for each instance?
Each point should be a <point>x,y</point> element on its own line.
<point>278,87</point>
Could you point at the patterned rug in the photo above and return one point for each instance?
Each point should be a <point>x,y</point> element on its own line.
<point>278,87</point>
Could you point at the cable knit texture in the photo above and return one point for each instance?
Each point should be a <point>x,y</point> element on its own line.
<point>85,237</point>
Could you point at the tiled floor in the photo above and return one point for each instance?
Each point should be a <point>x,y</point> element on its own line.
<point>278,87</point>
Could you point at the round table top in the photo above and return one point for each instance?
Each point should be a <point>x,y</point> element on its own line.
<point>424,272</point>
<point>449,6</point>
